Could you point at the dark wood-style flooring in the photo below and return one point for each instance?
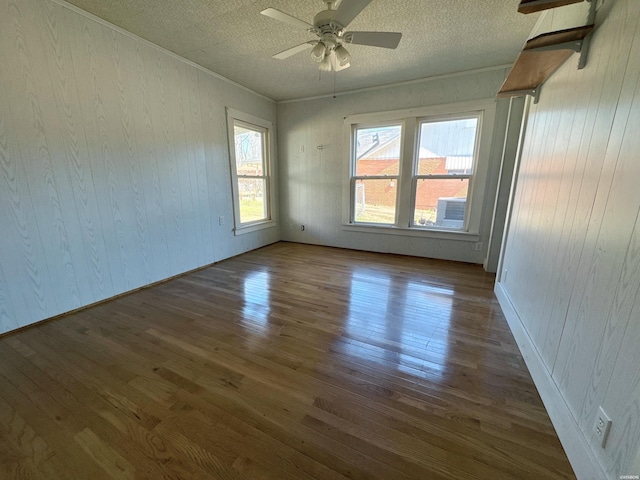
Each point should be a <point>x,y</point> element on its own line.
<point>288,362</point>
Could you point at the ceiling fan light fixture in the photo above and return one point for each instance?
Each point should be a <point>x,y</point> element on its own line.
<point>318,53</point>
<point>325,64</point>
<point>343,56</point>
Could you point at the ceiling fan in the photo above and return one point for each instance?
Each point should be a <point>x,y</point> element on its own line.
<point>329,25</point>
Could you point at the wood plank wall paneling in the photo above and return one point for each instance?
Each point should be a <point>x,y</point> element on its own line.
<point>312,180</point>
<point>572,258</point>
<point>113,162</point>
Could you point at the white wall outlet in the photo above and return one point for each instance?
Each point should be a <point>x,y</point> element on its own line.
<point>302,148</point>
<point>221,220</point>
<point>477,246</point>
<point>602,426</point>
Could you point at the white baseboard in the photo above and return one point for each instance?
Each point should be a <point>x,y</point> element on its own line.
<point>582,459</point>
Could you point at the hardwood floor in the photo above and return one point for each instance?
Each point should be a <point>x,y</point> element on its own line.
<point>288,362</point>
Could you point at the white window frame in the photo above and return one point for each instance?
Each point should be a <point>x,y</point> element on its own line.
<point>354,178</point>
<point>415,177</point>
<point>410,120</point>
<point>266,127</point>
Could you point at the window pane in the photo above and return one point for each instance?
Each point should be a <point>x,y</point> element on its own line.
<point>447,147</point>
<point>375,201</point>
<point>378,151</point>
<point>249,151</point>
<point>441,202</point>
<point>253,204</point>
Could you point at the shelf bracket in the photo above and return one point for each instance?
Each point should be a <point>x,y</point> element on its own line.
<point>536,94</point>
<point>586,41</point>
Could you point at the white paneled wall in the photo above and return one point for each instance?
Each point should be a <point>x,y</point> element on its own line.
<point>113,162</point>
<point>312,179</point>
<point>572,260</point>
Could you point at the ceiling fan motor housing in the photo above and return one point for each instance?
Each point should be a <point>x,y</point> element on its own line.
<point>323,21</point>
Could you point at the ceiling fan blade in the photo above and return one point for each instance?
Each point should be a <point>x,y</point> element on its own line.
<point>292,51</point>
<point>286,18</point>
<point>348,10</point>
<point>374,39</point>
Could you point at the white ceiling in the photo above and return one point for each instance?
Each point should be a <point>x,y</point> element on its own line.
<point>232,39</point>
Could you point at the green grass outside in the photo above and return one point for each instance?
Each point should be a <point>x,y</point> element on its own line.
<point>252,210</point>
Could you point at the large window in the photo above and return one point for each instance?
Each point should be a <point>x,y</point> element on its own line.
<point>422,172</point>
<point>250,154</point>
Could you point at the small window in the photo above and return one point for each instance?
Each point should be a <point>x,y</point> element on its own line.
<point>249,140</point>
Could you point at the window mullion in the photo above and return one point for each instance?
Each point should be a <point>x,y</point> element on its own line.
<point>407,154</point>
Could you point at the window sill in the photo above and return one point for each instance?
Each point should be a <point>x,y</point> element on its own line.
<point>254,227</point>
<point>413,232</point>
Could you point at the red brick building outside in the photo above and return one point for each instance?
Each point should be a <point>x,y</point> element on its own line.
<point>429,191</point>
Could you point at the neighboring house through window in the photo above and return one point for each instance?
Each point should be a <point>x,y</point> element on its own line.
<point>443,171</point>
<point>376,173</point>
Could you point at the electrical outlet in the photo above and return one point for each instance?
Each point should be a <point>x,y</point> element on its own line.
<point>221,220</point>
<point>602,426</point>
<point>505,273</point>
<point>477,246</point>
<point>302,228</point>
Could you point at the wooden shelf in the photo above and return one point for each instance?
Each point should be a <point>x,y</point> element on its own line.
<point>540,57</point>
<point>532,6</point>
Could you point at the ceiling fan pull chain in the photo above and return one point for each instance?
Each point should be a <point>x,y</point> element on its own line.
<point>334,84</point>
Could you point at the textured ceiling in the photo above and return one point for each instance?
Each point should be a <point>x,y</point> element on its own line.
<point>232,39</point>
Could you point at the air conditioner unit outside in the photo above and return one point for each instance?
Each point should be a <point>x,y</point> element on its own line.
<point>450,212</point>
